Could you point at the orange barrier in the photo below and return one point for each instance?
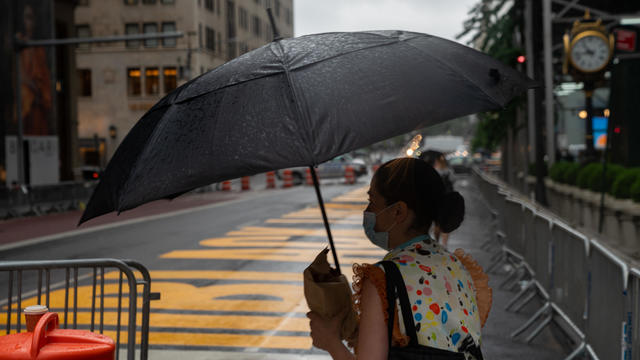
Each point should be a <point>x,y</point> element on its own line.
<point>349,175</point>
<point>245,183</point>
<point>226,185</point>
<point>271,180</point>
<point>287,177</point>
<point>309,179</point>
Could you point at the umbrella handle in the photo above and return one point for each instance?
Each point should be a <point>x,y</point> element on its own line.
<point>324,218</point>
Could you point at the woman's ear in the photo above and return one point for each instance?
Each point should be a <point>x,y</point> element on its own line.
<point>401,212</point>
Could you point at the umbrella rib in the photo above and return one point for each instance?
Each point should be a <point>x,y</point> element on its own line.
<point>455,71</point>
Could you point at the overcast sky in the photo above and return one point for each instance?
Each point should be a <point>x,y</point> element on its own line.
<point>442,18</point>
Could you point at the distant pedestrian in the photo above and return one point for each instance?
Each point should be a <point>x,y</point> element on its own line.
<point>447,298</point>
<point>437,160</point>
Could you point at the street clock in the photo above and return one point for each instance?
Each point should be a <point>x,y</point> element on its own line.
<point>588,48</point>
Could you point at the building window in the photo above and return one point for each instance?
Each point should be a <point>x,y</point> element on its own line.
<point>208,4</point>
<point>168,2</point>
<point>218,7</point>
<point>256,26</point>
<point>200,36</point>
<point>151,81</point>
<point>170,78</point>
<point>288,16</point>
<point>150,28</point>
<point>148,2</point>
<point>169,27</point>
<point>277,8</point>
<point>83,31</point>
<point>243,18</point>
<point>131,2</point>
<point>210,38</point>
<point>132,29</point>
<point>133,82</point>
<point>84,79</point>
<point>267,3</point>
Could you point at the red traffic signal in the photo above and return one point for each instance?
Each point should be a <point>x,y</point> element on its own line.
<point>521,59</point>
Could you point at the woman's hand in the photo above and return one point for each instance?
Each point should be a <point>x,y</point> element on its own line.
<point>326,332</point>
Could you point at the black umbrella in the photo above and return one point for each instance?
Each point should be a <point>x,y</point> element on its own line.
<point>298,102</point>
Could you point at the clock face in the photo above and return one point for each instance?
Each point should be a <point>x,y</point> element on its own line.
<point>590,53</point>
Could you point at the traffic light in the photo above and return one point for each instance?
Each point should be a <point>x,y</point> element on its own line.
<point>521,59</point>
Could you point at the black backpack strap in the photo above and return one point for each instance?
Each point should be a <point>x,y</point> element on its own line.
<point>395,281</point>
<point>391,303</point>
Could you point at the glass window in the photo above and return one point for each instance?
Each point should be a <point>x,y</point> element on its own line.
<point>149,2</point>
<point>267,3</point>
<point>83,31</point>
<point>84,79</point>
<point>150,28</point>
<point>169,27</point>
<point>132,29</point>
<point>168,2</point>
<point>257,26</point>
<point>151,81</point>
<point>210,39</point>
<point>170,78</point>
<point>218,7</point>
<point>243,18</point>
<point>131,2</point>
<point>200,36</point>
<point>133,82</point>
<point>208,4</point>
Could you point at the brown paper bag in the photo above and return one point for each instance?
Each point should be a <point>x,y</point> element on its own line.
<point>328,294</point>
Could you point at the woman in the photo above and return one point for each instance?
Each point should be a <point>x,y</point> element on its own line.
<point>405,197</point>
<point>440,164</point>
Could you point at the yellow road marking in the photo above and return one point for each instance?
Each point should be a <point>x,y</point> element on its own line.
<point>345,243</point>
<point>314,221</point>
<point>268,254</point>
<point>232,340</point>
<point>293,231</point>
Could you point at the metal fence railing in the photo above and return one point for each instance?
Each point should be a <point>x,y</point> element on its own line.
<point>42,199</point>
<point>101,295</point>
<point>590,292</point>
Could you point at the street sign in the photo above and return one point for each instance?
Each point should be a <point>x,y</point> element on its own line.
<point>625,39</point>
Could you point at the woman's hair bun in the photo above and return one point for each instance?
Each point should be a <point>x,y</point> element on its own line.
<point>451,212</point>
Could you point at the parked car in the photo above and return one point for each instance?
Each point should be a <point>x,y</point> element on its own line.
<point>332,169</point>
<point>460,164</point>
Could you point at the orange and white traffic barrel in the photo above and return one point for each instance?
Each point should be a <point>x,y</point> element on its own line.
<point>245,183</point>
<point>226,185</point>
<point>271,180</point>
<point>349,175</point>
<point>287,177</point>
<point>309,179</point>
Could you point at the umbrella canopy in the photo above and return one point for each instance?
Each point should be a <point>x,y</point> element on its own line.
<point>298,102</point>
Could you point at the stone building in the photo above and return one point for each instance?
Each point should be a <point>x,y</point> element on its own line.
<point>120,81</point>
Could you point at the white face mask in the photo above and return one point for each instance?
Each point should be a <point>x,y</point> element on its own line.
<point>380,239</point>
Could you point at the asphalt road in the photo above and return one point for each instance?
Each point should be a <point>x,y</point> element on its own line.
<point>230,273</point>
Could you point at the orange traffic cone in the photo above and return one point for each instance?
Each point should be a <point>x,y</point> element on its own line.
<point>226,185</point>
<point>245,183</point>
<point>349,175</point>
<point>287,177</point>
<point>309,179</point>
<point>271,180</point>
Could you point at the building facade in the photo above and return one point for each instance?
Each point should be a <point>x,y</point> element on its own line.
<point>119,82</point>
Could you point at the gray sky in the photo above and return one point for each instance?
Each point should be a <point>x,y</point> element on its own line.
<point>442,18</point>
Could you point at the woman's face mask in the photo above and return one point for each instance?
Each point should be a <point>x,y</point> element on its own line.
<point>378,238</point>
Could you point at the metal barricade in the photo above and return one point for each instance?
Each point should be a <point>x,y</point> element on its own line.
<point>542,249</point>
<point>568,284</point>
<point>89,294</point>
<point>514,225</point>
<point>632,318</point>
<point>607,298</point>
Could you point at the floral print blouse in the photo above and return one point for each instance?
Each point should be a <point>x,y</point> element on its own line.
<point>441,292</point>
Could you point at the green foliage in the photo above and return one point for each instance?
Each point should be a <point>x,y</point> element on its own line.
<point>495,25</point>
<point>595,177</point>
<point>557,171</point>
<point>571,174</point>
<point>584,175</point>
<point>622,184</point>
<point>635,191</point>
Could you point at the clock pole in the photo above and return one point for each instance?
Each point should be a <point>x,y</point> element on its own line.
<point>588,92</point>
